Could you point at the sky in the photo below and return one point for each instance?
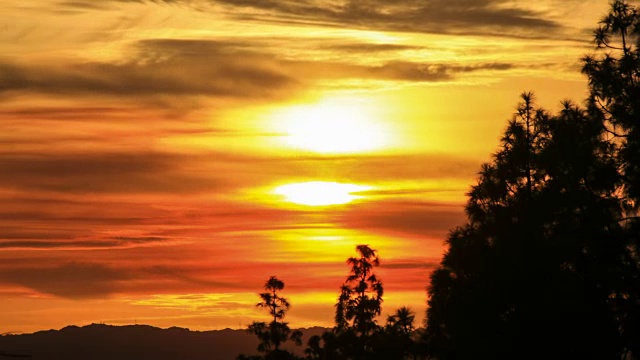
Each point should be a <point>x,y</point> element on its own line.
<point>160,160</point>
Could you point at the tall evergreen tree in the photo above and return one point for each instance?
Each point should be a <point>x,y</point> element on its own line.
<point>551,252</point>
<point>614,82</point>
<point>530,273</point>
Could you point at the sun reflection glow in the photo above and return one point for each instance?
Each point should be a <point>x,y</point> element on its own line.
<point>320,193</point>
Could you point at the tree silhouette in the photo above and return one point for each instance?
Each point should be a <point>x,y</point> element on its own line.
<point>614,82</point>
<point>360,299</point>
<point>550,255</point>
<point>402,321</point>
<point>356,334</point>
<point>614,76</point>
<point>532,270</point>
<point>398,336</point>
<point>273,334</point>
<point>325,347</point>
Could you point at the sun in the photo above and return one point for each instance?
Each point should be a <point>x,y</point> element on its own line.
<point>332,126</point>
<point>320,193</point>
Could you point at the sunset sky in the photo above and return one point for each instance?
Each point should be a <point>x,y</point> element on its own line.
<point>159,160</point>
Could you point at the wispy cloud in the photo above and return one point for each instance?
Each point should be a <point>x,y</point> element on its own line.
<point>220,77</point>
<point>483,17</point>
<point>72,280</point>
<point>465,17</point>
<point>100,172</point>
<point>412,218</point>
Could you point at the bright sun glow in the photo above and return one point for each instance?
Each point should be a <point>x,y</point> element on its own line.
<point>332,126</point>
<point>320,193</point>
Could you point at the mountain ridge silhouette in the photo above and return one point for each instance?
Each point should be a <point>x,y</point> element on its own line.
<point>125,342</point>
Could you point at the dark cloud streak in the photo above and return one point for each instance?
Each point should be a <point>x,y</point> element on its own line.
<point>409,217</point>
<point>479,17</point>
<point>177,69</point>
<point>160,172</point>
<point>100,172</point>
<point>460,17</point>
<point>73,280</point>
<point>223,79</point>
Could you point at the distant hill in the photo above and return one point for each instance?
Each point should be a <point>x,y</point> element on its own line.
<point>139,342</point>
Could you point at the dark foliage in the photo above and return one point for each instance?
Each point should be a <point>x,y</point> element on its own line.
<point>547,263</point>
<point>614,82</point>
<point>357,336</point>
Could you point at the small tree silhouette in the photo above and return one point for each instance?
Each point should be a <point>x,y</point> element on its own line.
<point>358,305</point>
<point>398,336</point>
<point>360,297</point>
<point>402,321</point>
<point>357,335</point>
<point>275,333</point>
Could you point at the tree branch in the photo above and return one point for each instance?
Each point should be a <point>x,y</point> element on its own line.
<point>615,134</point>
<point>629,218</point>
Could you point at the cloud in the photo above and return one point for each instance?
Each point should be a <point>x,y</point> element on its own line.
<point>409,217</point>
<point>166,172</point>
<point>192,276</point>
<point>304,70</point>
<point>142,172</point>
<point>208,72</point>
<point>68,113</point>
<point>79,5</point>
<point>84,280</point>
<point>72,280</point>
<point>214,265</point>
<point>167,72</point>
<point>477,17</point>
<point>360,47</point>
<point>19,236</point>
<point>50,230</point>
<point>504,18</point>
<point>358,168</point>
<point>101,200</point>
<point>162,78</point>
<point>404,70</point>
<point>405,264</point>
<point>74,244</point>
